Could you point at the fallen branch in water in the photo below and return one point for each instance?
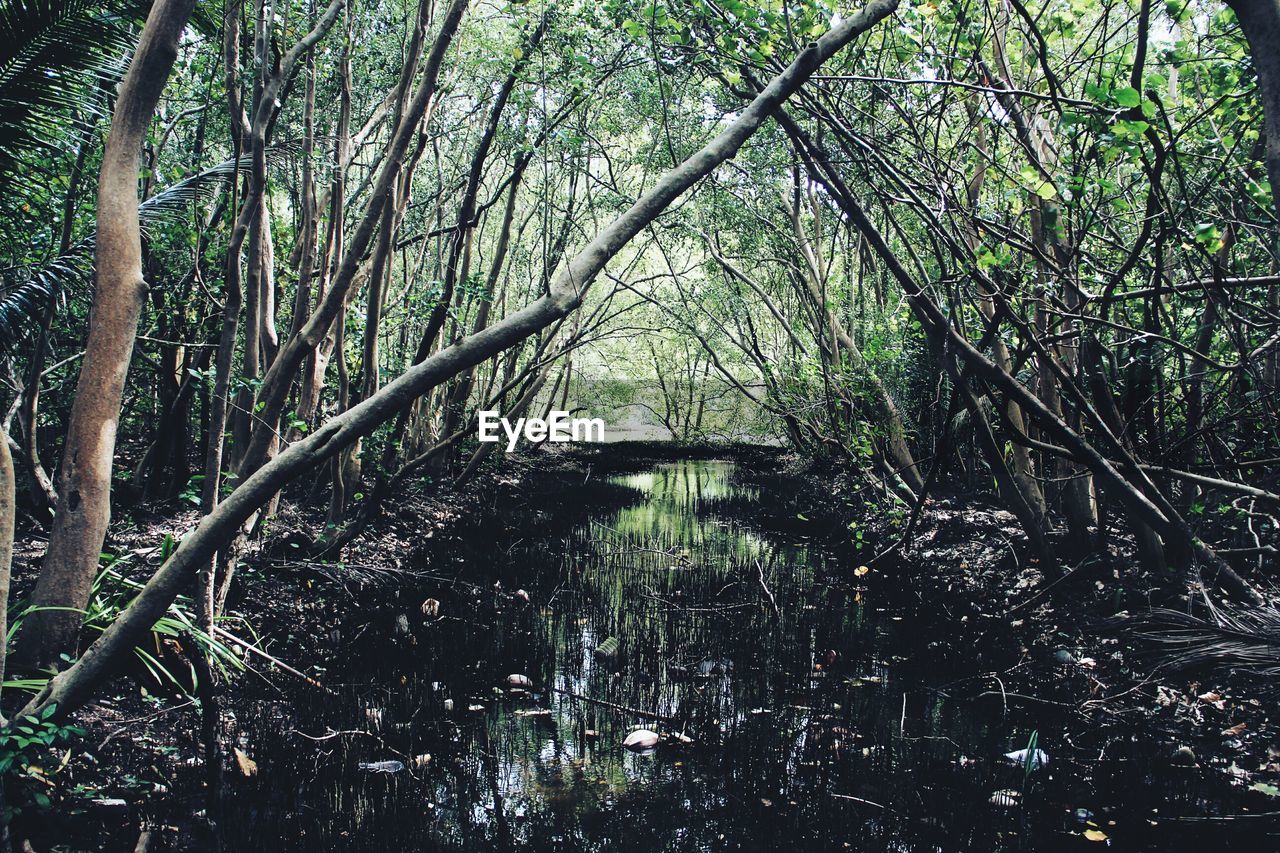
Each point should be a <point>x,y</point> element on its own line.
<point>772,600</point>
<point>227,635</point>
<point>859,800</point>
<point>622,709</point>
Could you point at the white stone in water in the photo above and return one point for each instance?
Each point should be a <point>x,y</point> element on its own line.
<point>641,739</point>
<point>519,681</point>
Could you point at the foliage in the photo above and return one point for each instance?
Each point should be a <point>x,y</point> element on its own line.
<point>26,748</point>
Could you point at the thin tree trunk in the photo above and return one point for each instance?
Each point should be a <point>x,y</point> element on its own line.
<point>8,508</point>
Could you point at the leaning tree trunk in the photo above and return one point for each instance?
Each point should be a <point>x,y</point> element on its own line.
<point>84,479</point>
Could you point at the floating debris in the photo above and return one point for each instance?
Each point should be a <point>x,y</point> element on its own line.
<point>390,766</point>
<point>640,740</point>
<point>1006,798</point>
<point>1039,758</point>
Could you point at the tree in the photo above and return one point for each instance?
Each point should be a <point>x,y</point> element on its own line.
<point>1260,21</point>
<point>84,477</point>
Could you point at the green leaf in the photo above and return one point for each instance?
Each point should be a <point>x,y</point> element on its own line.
<point>1128,97</point>
<point>1125,127</point>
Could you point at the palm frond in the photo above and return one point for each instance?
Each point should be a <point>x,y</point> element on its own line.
<point>1228,637</point>
<point>24,291</point>
<point>53,53</point>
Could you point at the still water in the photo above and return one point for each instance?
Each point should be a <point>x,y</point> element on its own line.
<point>800,706</point>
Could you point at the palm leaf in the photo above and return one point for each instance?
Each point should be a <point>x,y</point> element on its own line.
<point>53,53</point>
<point>24,291</point>
<point>1227,637</point>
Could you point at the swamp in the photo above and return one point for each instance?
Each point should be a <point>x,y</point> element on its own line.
<point>711,425</point>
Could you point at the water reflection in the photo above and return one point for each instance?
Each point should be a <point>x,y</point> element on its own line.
<point>796,712</point>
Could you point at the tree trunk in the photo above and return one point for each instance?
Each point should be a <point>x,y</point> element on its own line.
<point>1260,22</point>
<point>7,518</point>
<point>84,481</point>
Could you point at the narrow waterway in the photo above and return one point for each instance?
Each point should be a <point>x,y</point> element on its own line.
<point>801,705</point>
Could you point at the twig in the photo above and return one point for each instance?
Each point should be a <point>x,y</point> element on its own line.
<point>333,734</point>
<point>647,715</point>
<point>1045,589</point>
<point>765,586</point>
<point>859,800</point>
<point>1025,698</point>
<point>126,723</point>
<point>227,635</point>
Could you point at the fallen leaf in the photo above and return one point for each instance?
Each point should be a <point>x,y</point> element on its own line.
<point>1235,730</point>
<point>1214,699</point>
<point>861,571</point>
<point>247,765</point>
<point>1095,835</point>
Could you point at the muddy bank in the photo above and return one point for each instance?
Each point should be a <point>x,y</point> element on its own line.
<point>809,686</point>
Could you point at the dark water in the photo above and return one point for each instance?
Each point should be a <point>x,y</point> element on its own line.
<point>801,707</point>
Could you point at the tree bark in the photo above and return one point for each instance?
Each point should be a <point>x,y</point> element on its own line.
<point>7,519</point>
<point>84,481</point>
<point>1260,22</point>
